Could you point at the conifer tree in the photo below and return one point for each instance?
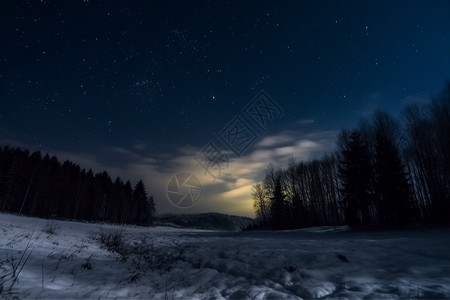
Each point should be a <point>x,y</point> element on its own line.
<point>356,172</point>
<point>278,207</point>
<point>394,205</point>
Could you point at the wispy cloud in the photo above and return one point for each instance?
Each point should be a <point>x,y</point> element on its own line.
<point>276,140</point>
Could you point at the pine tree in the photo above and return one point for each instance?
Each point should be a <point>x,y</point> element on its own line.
<point>278,207</point>
<point>141,204</point>
<point>127,201</point>
<point>356,172</point>
<point>394,205</point>
<point>151,210</point>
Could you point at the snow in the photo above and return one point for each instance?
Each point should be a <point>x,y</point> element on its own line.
<point>172,263</point>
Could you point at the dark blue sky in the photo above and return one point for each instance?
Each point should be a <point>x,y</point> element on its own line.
<point>137,87</point>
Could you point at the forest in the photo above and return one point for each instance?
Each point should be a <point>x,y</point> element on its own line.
<point>43,187</point>
<point>384,173</point>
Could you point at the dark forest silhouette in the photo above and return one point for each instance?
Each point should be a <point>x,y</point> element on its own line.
<point>383,173</point>
<point>43,187</point>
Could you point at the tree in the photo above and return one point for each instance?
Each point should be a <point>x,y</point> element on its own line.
<point>424,163</point>
<point>394,203</point>
<point>355,170</point>
<point>261,204</point>
<point>140,201</point>
<point>127,201</point>
<point>278,206</point>
<point>151,210</point>
<point>440,122</point>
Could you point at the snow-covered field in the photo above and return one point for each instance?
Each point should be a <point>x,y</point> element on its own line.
<point>68,261</point>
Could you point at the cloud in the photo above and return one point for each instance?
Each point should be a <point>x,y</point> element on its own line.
<point>271,141</point>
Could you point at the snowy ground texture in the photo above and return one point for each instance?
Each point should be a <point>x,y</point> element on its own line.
<point>56,259</point>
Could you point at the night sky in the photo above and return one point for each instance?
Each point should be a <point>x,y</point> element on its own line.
<point>139,88</point>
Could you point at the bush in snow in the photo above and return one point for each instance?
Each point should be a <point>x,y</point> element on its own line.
<point>113,242</point>
<point>50,228</point>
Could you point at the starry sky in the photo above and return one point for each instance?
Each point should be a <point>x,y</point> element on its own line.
<point>139,88</point>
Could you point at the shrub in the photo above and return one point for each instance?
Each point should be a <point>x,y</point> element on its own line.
<point>113,242</point>
<point>50,228</point>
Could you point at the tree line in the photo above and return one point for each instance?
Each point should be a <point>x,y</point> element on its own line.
<point>386,172</point>
<point>43,187</point>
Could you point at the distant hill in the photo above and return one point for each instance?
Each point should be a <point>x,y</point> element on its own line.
<point>210,221</point>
